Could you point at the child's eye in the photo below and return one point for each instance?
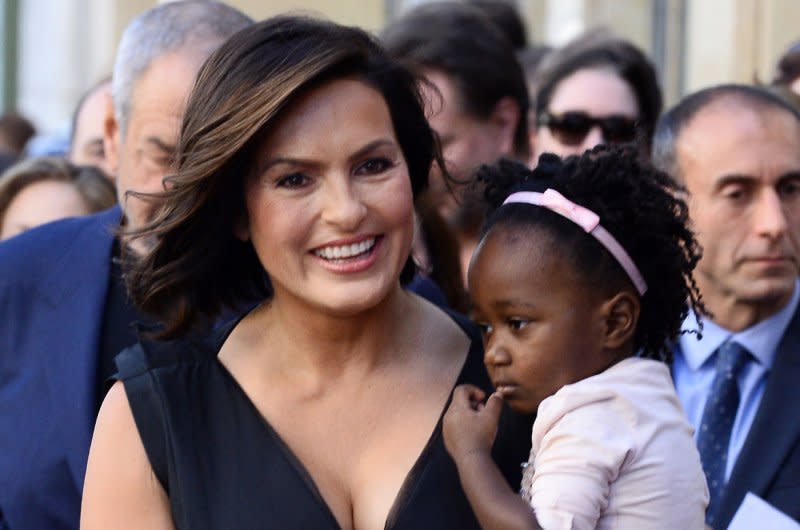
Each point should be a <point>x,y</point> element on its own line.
<point>373,166</point>
<point>517,323</point>
<point>484,328</point>
<point>292,180</point>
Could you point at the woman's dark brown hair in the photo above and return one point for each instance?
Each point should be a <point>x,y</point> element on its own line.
<point>195,266</point>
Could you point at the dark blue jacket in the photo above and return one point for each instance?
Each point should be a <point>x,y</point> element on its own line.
<point>53,283</point>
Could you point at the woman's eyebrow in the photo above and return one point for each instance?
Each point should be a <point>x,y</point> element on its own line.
<point>372,146</point>
<point>267,164</point>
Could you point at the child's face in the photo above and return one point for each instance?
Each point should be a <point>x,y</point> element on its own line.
<point>542,326</point>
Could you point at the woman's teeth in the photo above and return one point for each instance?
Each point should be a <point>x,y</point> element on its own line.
<point>346,251</point>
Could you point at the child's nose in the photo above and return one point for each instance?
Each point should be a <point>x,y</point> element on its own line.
<point>496,354</point>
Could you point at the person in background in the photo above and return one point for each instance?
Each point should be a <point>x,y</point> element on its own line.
<point>15,131</point>
<point>41,190</point>
<point>6,161</point>
<point>478,102</point>
<point>86,133</point>
<point>320,408</point>
<point>505,16</point>
<point>787,72</point>
<point>579,283</point>
<point>598,89</point>
<point>736,149</point>
<point>530,58</point>
<point>64,308</point>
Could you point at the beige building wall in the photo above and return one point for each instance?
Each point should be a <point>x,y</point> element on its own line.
<point>368,14</point>
<point>703,42</point>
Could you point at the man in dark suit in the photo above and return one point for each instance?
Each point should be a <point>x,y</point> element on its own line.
<point>63,307</point>
<point>737,151</point>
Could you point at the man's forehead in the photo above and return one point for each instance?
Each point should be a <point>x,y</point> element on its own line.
<point>729,131</point>
<point>159,96</point>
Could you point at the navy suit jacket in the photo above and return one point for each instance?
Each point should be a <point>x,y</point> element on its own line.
<point>53,284</point>
<point>769,462</point>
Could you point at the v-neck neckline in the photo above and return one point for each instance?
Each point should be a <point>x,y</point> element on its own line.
<point>406,487</point>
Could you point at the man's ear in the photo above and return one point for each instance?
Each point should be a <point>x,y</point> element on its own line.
<point>621,314</point>
<point>505,118</point>
<point>111,136</point>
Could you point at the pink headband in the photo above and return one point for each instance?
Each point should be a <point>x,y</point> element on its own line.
<point>586,219</point>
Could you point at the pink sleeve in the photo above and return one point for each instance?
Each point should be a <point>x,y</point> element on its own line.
<point>578,457</point>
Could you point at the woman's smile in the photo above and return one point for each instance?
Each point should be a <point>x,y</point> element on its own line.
<point>350,258</point>
<point>331,217</point>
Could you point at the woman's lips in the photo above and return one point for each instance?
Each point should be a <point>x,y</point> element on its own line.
<point>348,257</point>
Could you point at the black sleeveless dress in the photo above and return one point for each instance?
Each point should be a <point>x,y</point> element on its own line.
<point>224,467</point>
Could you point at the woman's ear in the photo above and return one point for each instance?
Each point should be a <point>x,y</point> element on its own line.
<point>241,228</point>
<point>621,314</point>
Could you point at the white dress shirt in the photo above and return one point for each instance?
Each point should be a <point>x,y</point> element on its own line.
<point>694,369</point>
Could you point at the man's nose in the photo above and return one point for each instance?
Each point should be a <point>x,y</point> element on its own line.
<point>770,214</point>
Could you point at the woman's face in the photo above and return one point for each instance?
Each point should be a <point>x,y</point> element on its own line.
<point>40,203</point>
<point>329,202</point>
<point>589,107</point>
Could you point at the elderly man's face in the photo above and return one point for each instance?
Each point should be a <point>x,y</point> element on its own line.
<point>742,169</point>
<point>142,154</point>
<point>87,139</point>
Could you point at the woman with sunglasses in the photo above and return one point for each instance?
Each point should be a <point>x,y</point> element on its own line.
<point>598,89</point>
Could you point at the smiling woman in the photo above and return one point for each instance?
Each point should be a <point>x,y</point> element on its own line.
<point>300,155</point>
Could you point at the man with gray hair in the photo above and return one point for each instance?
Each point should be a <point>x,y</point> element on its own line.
<point>63,306</point>
<point>736,148</point>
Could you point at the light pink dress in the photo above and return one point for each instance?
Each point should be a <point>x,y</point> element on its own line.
<point>615,451</point>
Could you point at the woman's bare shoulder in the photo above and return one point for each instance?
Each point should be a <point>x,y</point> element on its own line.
<point>439,330</point>
<point>120,491</point>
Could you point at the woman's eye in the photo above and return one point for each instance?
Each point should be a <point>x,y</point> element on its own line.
<point>293,180</point>
<point>517,323</point>
<point>373,166</point>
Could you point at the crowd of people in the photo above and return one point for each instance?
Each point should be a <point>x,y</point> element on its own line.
<point>289,274</point>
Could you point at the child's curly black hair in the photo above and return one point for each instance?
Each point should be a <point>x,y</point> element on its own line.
<point>638,204</point>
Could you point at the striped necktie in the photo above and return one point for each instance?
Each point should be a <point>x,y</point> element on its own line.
<point>718,417</point>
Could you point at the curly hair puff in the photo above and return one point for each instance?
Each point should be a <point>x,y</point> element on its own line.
<point>638,204</point>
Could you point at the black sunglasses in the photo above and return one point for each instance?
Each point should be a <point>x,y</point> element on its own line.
<point>571,128</point>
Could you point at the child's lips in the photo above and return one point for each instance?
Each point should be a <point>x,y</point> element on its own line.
<point>504,388</point>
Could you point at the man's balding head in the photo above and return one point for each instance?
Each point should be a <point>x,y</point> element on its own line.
<point>157,62</point>
<point>740,98</point>
<point>737,151</point>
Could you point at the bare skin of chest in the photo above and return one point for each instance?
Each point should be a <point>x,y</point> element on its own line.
<point>358,434</point>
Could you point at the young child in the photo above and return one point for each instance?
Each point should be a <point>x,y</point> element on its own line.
<point>579,284</point>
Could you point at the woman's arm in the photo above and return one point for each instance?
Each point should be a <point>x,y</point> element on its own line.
<point>469,430</point>
<point>120,491</point>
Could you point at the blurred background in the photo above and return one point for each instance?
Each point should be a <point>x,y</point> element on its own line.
<point>53,50</point>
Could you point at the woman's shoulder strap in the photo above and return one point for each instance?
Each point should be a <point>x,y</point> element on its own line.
<point>135,368</point>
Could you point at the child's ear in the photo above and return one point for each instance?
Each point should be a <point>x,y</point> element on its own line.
<point>621,314</point>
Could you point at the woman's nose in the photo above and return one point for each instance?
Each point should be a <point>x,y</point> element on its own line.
<point>593,137</point>
<point>344,207</point>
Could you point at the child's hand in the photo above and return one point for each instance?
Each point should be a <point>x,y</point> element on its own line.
<point>469,426</point>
